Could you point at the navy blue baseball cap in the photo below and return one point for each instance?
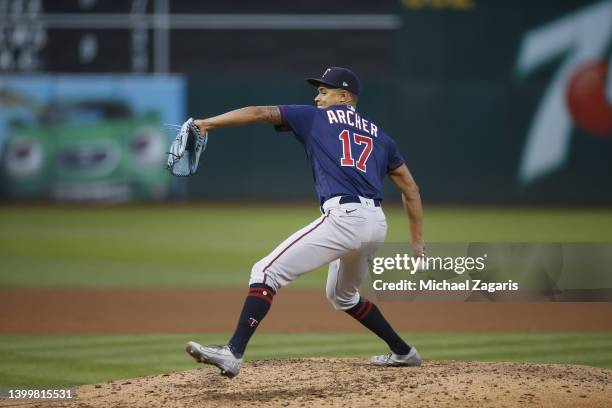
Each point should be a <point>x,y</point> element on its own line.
<point>338,77</point>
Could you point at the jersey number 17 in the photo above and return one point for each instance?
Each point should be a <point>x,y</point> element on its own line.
<point>347,155</point>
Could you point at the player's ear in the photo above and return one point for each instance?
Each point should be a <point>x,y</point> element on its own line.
<point>345,96</point>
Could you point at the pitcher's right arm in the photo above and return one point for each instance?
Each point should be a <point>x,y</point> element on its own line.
<point>411,199</point>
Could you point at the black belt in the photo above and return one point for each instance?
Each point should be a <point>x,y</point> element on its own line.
<point>355,199</point>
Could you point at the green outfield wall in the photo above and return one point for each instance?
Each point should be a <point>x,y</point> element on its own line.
<point>494,102</point>
<point>487,103</point>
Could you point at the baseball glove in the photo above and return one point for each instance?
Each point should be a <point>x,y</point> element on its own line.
<point>185,150</point>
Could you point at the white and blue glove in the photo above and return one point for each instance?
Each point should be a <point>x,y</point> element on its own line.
<point>185,150</point>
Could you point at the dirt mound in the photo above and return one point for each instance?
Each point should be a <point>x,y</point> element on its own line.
<point>353,382</point>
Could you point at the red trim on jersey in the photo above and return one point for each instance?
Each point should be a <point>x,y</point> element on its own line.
<point>347,158</point>
<point>283,115</point>
<point>291,244</point>
<point>395,167</point>
<point>365,154</point>
<point>370,304</point>
<point>284,126</point>
<point>257,295</point>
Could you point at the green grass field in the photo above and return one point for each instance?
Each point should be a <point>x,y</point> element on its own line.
<point>215,246</point>
<point>58,361</point>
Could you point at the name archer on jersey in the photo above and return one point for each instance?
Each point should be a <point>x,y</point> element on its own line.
<point>351,118</point>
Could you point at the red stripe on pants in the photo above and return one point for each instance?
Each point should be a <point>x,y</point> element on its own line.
<point>291,244</point>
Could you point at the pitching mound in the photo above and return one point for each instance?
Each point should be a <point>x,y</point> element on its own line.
<point>352,382</point>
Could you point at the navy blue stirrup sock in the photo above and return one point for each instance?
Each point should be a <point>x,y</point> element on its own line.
<point>370,316</point>
<point>256,306</point>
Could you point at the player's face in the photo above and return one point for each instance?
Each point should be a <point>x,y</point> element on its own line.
<point>329,96</point>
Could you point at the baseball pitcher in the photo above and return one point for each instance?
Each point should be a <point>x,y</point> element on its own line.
<point>350,156</point>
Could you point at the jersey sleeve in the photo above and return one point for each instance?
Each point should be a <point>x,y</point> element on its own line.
<point>394,157</point>
<point>297,119</point>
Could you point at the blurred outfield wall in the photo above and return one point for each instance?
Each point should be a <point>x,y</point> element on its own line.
<point>478,99</point>
<point>490,101</point>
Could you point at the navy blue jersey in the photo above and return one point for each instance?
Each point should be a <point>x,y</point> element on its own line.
<point>349,154</point>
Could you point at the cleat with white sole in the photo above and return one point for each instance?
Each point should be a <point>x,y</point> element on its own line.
<point>219,356</point>
<point>412,359</point>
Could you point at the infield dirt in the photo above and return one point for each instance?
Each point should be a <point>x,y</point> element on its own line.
<point>295,310</point>
<point>313,382</point>
<point>353,382</point>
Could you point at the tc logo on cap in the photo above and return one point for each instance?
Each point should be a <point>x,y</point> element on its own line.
<point>337,77</point>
